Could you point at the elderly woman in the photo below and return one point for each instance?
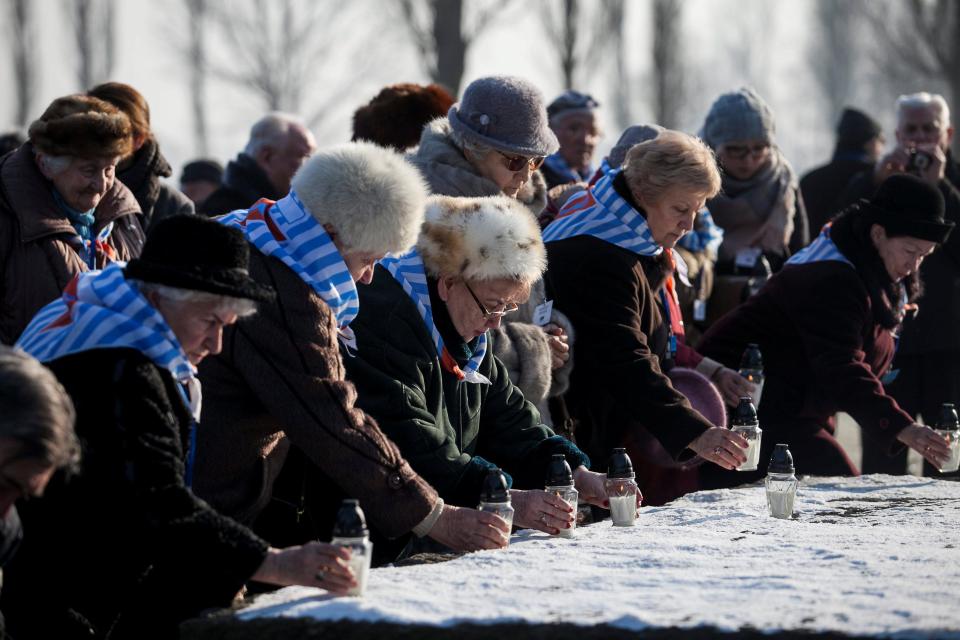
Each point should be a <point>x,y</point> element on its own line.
<point>144,168</point>
<point>124,342</point>
<point>62,212</point>
<point>491,143</point>
<point>607,253</point>
<point>759,208</point>
<point>425,369</point>
<point>827,326</point>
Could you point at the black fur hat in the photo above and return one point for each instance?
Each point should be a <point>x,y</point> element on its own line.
<point>905,205</point>
<point>189,252</point>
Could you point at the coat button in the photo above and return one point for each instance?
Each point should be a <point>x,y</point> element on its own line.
<point>395,481</point>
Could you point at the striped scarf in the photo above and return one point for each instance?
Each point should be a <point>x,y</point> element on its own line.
<point>408,270</point>
<point>820,250</point>
<point>602,213</point>
<point>102,310</point>
<point>288,232</point>
<point>559,166</point>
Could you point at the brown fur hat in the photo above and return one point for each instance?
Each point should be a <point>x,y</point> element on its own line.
<point>83,127</point>
<point>396,116</point>
<point>481,239</point>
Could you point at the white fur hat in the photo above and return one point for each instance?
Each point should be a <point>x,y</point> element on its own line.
<point>372,197</point>
<point>481,239</point>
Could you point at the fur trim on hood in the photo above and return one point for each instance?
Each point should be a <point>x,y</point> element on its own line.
<point>370,195</point>
<point>80,126</point>
<point>449,173</point>
<point>481,239</point>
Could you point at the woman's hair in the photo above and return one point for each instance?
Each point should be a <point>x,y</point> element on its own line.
<point>669,160</point>
<point>850,231</point>
<point>36,411</point>
<point>225,304</point>
<point>466,143</point>
<point>128,100</point>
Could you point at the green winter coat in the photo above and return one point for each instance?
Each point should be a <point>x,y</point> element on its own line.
<point>450,431</point>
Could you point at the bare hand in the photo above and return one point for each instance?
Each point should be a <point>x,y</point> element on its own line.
<point>732,386</point>
<point>470,530</point>
<point>536,509</point>
<point>770,237</point>
<point>936,169</point>
<point>721,447</point>
<point>894,162</point>
<point>314,564</point>
<point>931,445</point>
<point>591,487</point>
<point>559,347</point>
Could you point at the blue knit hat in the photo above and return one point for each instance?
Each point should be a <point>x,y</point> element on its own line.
<point>739,115</point>
<point>505,113</point>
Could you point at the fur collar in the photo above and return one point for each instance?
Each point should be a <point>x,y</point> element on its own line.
<point>450,174</point>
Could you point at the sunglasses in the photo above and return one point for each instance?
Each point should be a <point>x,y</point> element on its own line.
<point>510,307</point>
<point>740,152</point>
<point>517,163</point>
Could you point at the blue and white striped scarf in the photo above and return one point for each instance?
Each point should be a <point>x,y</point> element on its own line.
<point>558,165</point>
<point>820,250</point>
<point>601,212</point>
<point>408,270</point>
<point>102,310</point>
<point>288,232</point>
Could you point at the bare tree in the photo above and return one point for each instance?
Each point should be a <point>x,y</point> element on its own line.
<point>835,52</point>
<point>94,32</point>
<point>668,67</point>
<point>197,54</point>
<point>579,34</point>
<point>443,33</point>
<point>24,67</point>
<point>613,25</point>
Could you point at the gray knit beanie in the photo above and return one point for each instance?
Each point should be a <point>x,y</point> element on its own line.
<point>505,113</point>
<point>739,115</point>
<point>632,136</point>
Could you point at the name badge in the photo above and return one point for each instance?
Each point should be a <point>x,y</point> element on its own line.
<point>699,310</point>
<point>541,315</point>
<point>748,257</point>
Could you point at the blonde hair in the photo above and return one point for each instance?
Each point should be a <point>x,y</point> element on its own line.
<point>672,159</point>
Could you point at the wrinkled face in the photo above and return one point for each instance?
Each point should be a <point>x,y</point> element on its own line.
<point>361,265</point>
<point>742,159</point>
<point>198,325</point>
<point>901,255</point>
<point>20,477</point>
<point>495,296</point>
<point>84,182</point>
<point>495,166</point>
<point>578,134</point>
<point>921,126</point>
<point>280,162</point>
<point>672,215</point>
<point>198,190</point>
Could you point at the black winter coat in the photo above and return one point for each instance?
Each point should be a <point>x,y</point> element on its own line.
<point>244,182</point>
<point>822,187</point>
<point>158,199</point>
<point>123,548</point>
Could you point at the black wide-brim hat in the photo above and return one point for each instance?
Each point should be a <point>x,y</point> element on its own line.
<point>905,205</point>
<point>190,252</point>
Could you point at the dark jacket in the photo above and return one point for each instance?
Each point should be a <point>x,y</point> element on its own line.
<point>37,259</point>
<point>280,380</point>
<point>244,182</point>
<point>822,187</point>
<point>124,545</point>
<point>451,431</point>
<point>158,199</point>
<point>935,326</point>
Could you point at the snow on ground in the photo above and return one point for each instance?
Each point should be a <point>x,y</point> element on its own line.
<point>870,555</point>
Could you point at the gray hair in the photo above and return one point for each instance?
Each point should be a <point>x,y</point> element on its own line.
<point>225,304</point>
<point>923,100</point>
<point>270,130</point>
<point>466,143</point>
<point>36,411</point>
<point>55,164</point>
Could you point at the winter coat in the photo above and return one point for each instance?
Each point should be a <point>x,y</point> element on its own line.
<point>519,342</point>
<point>822,187</point>
<point>450,430</point>
<point>823,352</point>
<point>280,381</point>
<point>934,328</point>
<point>37,259</point>
<point>244,182</point>
<point>158,199</point>
<point>618,391</point>
<point>123,545</point>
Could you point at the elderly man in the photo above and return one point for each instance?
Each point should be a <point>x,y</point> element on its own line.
<point>573,118</point>
<point>926,371</point>
<point>279,143</point>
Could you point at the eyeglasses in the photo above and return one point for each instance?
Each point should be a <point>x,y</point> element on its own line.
<point>517,163</point>
<point>510,307</point>
<point>739,152</point>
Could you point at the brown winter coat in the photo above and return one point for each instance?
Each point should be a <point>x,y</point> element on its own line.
<point>280,381</point>
<point>37,259</point>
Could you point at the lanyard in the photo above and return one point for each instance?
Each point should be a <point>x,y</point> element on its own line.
<point>191,438</point>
